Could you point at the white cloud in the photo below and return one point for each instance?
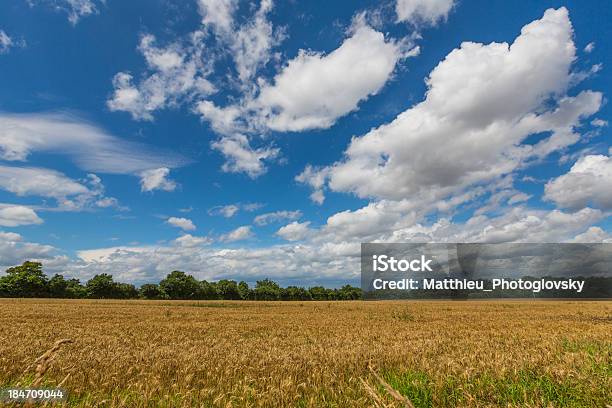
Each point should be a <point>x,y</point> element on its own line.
<point>295,231</point>
<point>189,241</point>
<point>276,216</point>
<point>222,120</point>
<point>588,182</point>
<point>241,157</point>
<point>6,42</point>
<point>176,74</point>
<point>313,90</point>
<point>110,202</point>
<point>76,9</point>
<point>79,8</point>
<point>88,146</point>
<point>251,43</point>
<point>34,181</point>
<point>324,256</point>
<point>14,250</point>
<point>239,234</point>
<point>315,178</point>
<point>518,198</point>
<point>423,12</point>
<point>218,14</point>
<point>370,222</point>
<point>589,47</point>
<point>150,264</point>
<point>593,235</point>
<point>17,215</point>
<point>516,225</point>
<point>108,254</point>
<point>71,195</point>
<point>250,207</point>
<point>156,179</point>
<point>183,223</point>
<point>227,211</point>
<point>482,102</point>
<point>599,122</point>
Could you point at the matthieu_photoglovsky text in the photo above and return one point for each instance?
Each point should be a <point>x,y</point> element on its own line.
<point>385,263</point>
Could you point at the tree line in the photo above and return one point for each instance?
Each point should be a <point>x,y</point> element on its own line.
<point>29,280</point>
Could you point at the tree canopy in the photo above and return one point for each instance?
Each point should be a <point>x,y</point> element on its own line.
<point>29,280</point>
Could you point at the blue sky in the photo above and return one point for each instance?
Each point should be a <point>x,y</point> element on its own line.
<point>144,136</point>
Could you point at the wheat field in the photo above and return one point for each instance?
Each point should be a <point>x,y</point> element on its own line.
<point>311,354</point>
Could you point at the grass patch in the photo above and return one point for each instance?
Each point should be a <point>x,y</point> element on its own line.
<point>525,388</point>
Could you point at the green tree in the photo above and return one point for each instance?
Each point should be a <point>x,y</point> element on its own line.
<point>75,290</point>
<point>25,280</point>
<point>126,291</point>
<point>318,293</point>
<point>208,290</point>
<point>102,286</point>
<point>179,285</point>
<point>267,290</point>
<point>151,291</point>
<point>228,289</point>
<point>295,293</point>
<point>244,291</point>
<point>58,287</point>
<point>348,292</point>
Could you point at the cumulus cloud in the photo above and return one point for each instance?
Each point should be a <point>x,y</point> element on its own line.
<point>482,102</point>
<point>241,157</point>
<point>251,44</point>
<point>276,216</point>
<point>176,74</point>
<point>17,215</point>
<point>423,12</point>
<point>593,235</point>
<point>239,234</point>
<point>156,179</point>
<point>315,178</point>
<point>189,241</point>
<point>313,90</point>
<point>295,231</point>
<point>88,146</point>
<point>183,223</point>
<point>588,182</point>
<point>218,14</point>
<point>323,256</point>
<point>375,223</point>
<point>14,250</point>
<point>311,265</point>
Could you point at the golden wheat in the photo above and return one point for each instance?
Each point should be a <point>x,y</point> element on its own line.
<point>311,354</point>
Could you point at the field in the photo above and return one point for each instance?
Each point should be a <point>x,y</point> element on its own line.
<point>312,354</point>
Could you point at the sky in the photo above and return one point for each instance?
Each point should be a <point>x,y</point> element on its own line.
<point>251,139</point>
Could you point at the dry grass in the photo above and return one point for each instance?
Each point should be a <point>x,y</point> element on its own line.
<point>468,354</point>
